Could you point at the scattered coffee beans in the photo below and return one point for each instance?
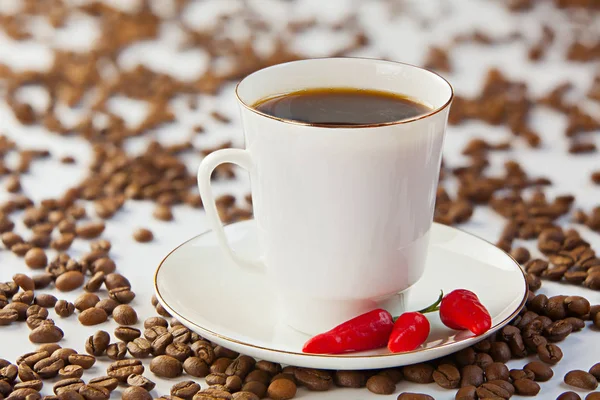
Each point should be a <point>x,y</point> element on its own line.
<point>581,379</point>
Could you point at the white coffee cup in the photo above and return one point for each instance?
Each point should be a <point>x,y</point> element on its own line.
<point>343,213</point>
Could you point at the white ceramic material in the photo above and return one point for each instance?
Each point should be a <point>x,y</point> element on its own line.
<point>200,286</point>
<point>343,213</point>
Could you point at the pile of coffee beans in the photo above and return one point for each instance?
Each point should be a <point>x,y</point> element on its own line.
<point>159,174</point>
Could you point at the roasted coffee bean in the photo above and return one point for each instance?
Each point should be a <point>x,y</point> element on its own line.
<point>95,282</point>
<point>269,367</point>
<point>185,389</point>
<point>9,373</point>
<point>558,331</point>
<point>221,352</point>
<point>465,357</point>
<point>483,360</point>
<point>500,352</point>
<point>512,335</point>
<point>352,379</point>
<point>491,390</point>
<point>20,308</point>
<point>139,348</point>
<point>577,306</point>
<point>117,351</point>
<point>25,373</point>
<point>581,379</point>
<point>154,332</point>
<point>85,301</point>
<point>160,310</point>
<point>30,358</point>
<point>96,345</point>
<point>104,265</point>
<point>63,354</point>
<point>259,376</point>
<point>25,394</point>
<point>67,385</point>
<point>70,371</point>
<point>595,370</point>
<point>36,258</point>
<point>194,366</point>
<point>240,396</point>
<point>166,366</point>
<point>258,388</point>
<point>538,304</point>
<point>576,323</point>
<point>496,371</point>
<point>25,297</point>
<point>45,300</point>
<point>546,322</point>
<point>283,389</point>
<point>181,334</point>
<point>124,315</point>
<point>395,374</point>
<point>141,381</point>
<point>92,316</point>
<point>180,351</point>
<point>8,316</point>
<point>471,375</point>
<point>220,364</point>
<point>241,366</point>
<point>69,281</point>
<point>313,379</point>
<point>104,381</point>
<point>35,321</point>
<point>593,396</point>
<point>526,319</point>
<point>83,360</point>
<point>414,396</point>
<point>533,282</point>
<point>143,235</point>
<point>556,308</point>
<point>568,396</point>
<point>155,321</point>
<point>541,371</point>
<point>34,384</point>
<point>121,369</point>
<point>216,379</point>
<point>46,333</point>
<point>447,376</point>
<point>122,295</point>
<point>592,281</point>
<point>418,373</point>
<point>5,388</point>
<point>204,350</point>
<point>127,333</point>
<point>526,387</point>
<point>37,311</point>
<point>115,280</point>
<point>48,367</point>
<point>90,230</point>
<point>64,309</point>
<point>234,383</point>
<point>159,345</point>
<point>549,353</point>
<point>108,305</point>
<point>379,384</point>
<point>24,282</point>
<point>91,392</point>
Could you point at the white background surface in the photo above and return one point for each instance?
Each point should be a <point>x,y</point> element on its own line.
<point>404,39</point>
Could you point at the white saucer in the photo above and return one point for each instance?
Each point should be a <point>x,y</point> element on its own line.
<point>235,308</point>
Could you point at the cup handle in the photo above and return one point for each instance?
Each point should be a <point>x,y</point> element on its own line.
<point>207,166</point>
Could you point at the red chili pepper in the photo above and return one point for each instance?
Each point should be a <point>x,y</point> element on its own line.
<point>368,331</point>
<point>461,309</point>
<point>411,329</point>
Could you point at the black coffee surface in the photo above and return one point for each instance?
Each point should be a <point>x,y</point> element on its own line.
<point>341,106</point>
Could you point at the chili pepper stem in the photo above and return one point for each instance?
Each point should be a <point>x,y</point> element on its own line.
<point>432,308</point>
